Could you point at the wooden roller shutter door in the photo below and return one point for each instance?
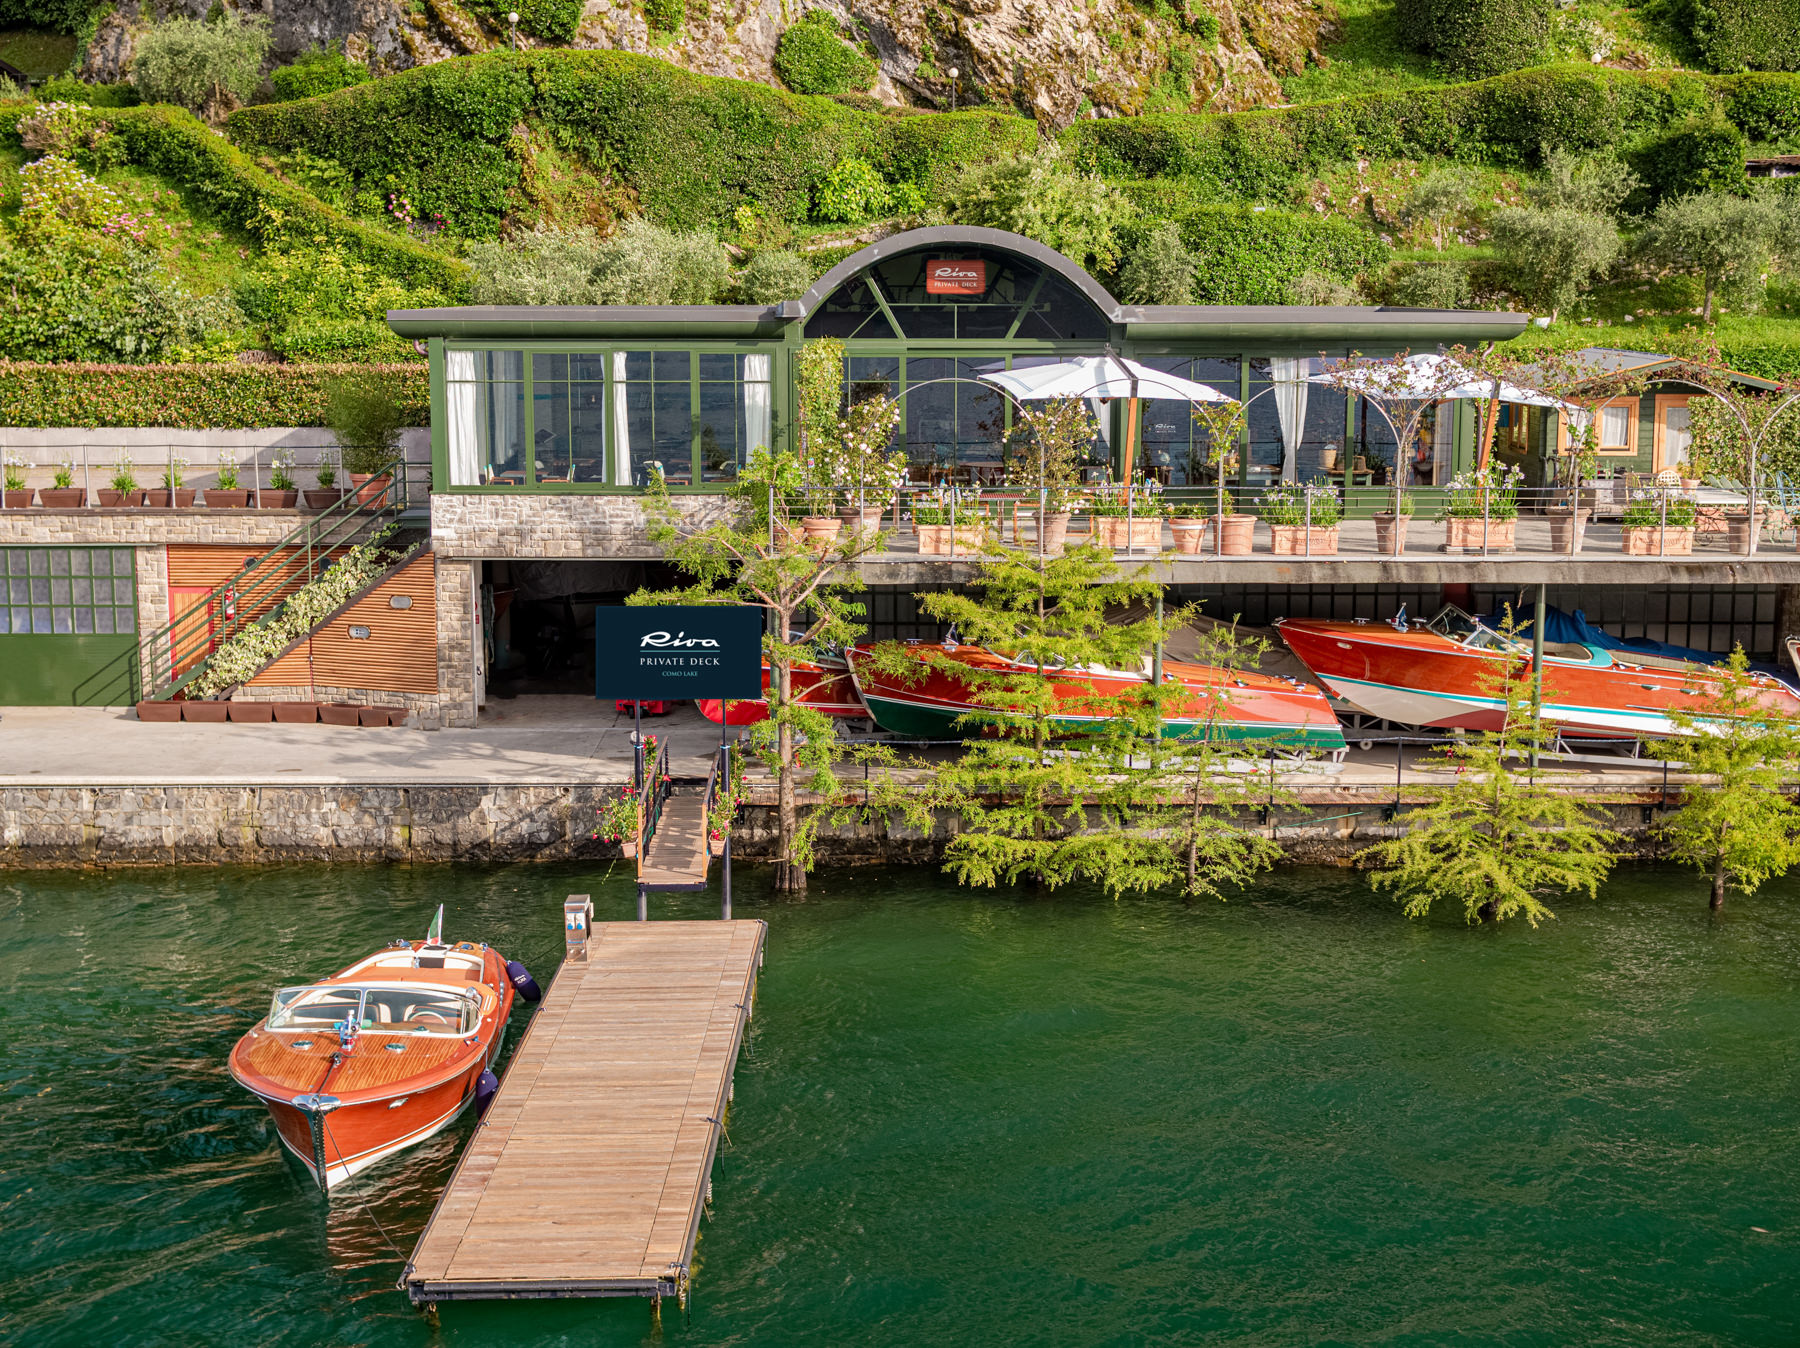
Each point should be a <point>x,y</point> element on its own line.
<point>398,654</point>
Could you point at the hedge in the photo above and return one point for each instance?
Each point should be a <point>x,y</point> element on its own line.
<point>1748,34</point>
<point>1247,256</point>
<point>182,149</point>
<point>692,147</point>
<point>1475,38</point>
<point>192,397</point>
<point>812,59</point>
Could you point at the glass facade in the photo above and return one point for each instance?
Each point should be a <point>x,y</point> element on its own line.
<point>1172,449</point>
<point>67,592</point>
<point>1017,299</point>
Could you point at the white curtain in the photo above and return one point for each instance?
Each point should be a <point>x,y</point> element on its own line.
<point>1443,443</point>
<point>1291,389</point>
<point>621,474</point>
<point>756,405</point>
<point>1615,426</point>
<point>1678,436</point>
<point>462,424</point>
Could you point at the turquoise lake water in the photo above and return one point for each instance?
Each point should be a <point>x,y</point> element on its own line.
<point>971,1118</point>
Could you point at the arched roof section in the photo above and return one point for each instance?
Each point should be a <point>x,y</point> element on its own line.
<point>1025,291</point>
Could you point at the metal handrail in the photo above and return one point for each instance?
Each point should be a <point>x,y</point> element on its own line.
<point>650,801</point>
<point>256,595</point>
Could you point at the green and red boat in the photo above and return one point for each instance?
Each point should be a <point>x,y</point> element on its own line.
<point>931,702</point>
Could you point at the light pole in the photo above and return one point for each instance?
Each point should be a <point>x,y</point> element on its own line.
<point>512,24</point>
<point>954,72</point>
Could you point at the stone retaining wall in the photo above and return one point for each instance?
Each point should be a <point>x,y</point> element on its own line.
<point>471,524</point>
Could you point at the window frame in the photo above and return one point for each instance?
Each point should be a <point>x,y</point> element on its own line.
<point>1664,402</point>
<point>1632,410</point>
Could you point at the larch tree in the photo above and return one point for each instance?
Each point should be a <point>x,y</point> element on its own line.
<point>1736,824</point>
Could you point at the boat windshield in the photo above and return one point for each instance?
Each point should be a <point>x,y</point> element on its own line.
<point>1452,622</point>
<point>400,1009</point>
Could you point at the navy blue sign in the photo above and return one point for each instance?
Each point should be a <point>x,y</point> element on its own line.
<point>678,651</point>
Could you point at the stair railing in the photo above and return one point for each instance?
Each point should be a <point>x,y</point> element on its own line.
<point>650,800</point>
<point>177,653</point>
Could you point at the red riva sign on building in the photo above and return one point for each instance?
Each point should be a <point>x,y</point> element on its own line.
<point>955,277</point>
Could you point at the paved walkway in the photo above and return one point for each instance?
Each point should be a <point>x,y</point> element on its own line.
<point>525,740</point>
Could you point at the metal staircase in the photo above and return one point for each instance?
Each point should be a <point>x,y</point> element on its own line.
<point>178,653</point>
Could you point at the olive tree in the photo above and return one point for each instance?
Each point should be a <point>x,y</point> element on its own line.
<point>207,68</point>
<point>1726,241</point>
<point>1549,258</point>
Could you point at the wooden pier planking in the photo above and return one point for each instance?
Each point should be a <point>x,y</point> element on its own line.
<point>677,857</point>
<point>588,1175</point>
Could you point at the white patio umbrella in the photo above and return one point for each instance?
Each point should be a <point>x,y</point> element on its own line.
<point>1106,376</point>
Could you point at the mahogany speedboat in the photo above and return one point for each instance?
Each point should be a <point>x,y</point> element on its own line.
<point>383,1054</point>
<point>1440,674</point>
<point>1257,706</point>
<point>823,684</point>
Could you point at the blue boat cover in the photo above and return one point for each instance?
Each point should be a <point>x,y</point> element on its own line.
<point>1575,628</point>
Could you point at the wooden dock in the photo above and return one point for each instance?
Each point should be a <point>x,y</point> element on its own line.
<point>676,857</point>
<point>589,1173</point>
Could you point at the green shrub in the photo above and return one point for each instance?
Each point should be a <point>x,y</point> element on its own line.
<point>641,264</point>
<point>546,266</point>
<point>1158,268</point>
<point>551,20</point>
<point>774,275</point>
<point>1767,107</point>
<point>68,89</point>
<point>366,415</point>
<point>1594,186</point>
<point>1698,154</point>
<point>665,16</point>
<point>79,296</point>
<point>852,192</point>
<point>195,397</point>
<point>1243,256</point>
<point>1748,34</point>
<point>59,16</point>
<point>1042,197</point>
<point>317,72</point>
<point>319,302</point>
<point>812,59</point>
<point>1474,38</point>
<point>1431,285</point>
<point>1311,287</point>
<point>198,65</point>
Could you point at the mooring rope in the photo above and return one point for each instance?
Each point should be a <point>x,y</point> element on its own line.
<point>324,1122</point>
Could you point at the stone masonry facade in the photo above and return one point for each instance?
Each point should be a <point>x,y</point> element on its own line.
<point>525,525</point>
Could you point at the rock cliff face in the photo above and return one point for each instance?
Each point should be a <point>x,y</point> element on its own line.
<point>1052,59</point>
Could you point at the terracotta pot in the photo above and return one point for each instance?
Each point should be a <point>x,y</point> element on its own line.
<point>1568,529</point>
<point>250,713</point>
<point>934,539</point>
<point>1737,531</point>
<point>715,847</point>
<point>159,711</point>
<point>280,500</point>
<point>113,500</point>
<point>789,533</point>
<point>204,713</point>
<point>821,530</point>
<point>62,498</point>
<point>1390,533</point>
<point>323,498</point>
<point>370,488</point>
<point>332,713</point>
<point>1189,534</point>
<point>1056,530</point>
<point>159,497</point>
<point>869,517</point>
<point>376,716</point>
<point>1467,535</point>
<point>18,500</point>
<point>219,498</point>
<point>1237,535</point>
<point>628,848</point>
<point>1290,540</point>
<point>1117,531</point>
<point>295,713</point>
<point>1652,541</point>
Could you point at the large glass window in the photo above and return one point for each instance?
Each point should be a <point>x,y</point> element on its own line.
<point>1296,426</point>
<point>955,425</point>
<point>67,592</point>
<point>568,417</point>
<point>485,416</point>
<point>1008,297</point>
<point>655,413</point>
<point>1171,448</point>
<point>735,409</point>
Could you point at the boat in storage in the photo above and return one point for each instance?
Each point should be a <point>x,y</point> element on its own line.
<point>1442,673</point>
<point>824,684</point>
<point>383,1054</point>
<point>929,702</point>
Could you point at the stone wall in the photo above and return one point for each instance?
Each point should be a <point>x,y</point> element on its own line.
<point>468,524</point>
<point>460,653</point>
<point>261,529</point>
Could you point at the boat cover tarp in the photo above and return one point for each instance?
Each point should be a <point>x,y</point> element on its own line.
<point>1575,628</point>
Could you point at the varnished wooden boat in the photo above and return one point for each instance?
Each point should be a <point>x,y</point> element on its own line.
<point>1223,704</point>
<point>381,1055</point>
<point>823,684</point>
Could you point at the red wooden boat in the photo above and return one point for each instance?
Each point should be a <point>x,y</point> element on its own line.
<point>382,1054</point>
<point>824,685</point>
<point>1259,706</point>
<point>1440,673</point>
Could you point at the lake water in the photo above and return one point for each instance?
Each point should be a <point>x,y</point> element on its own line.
<point>970,1118</point>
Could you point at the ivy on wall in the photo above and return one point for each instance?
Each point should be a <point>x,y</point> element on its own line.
<point>190,397</point>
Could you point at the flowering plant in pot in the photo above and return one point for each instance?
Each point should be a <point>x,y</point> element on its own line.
<point>860,464</point>
<point>620,821</point>
<point>122,488</point>
<point>172,492</point>
<point>227,492</point>
<point>1128,517</point>
<point>18,495</point>
<point>1481,510</point>
<point>933,515</point>
<point>1657,524</point>
<point>1043,455</point>
<point>327,493</point>
<point>282,493</point>
<point>1302,520</point>
<point>64,495</point>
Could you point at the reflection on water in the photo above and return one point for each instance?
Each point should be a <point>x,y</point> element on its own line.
<point>964,1118</point>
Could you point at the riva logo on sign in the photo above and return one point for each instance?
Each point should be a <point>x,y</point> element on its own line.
<point>678,651</point>
<point>957,277</point>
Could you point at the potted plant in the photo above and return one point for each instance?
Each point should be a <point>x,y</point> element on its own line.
<point>1573,508</point>
<point>1303,521</point>
<point>363,414</point>
<point>932,515</point>
<point>1223,424</point>
<point>327,493</point>
<point>18,495</point>
<point>819,523</point>
<point>64,495</point>
<point>123,489</point>
<point>1481,510</point>
<point>227,493</point>
<point>1043,455</point>
<point>1656,524</point>
<point>1390,526</point>
<point>860,465</point>
<point>1188,526</point>
<point>282,493</point>
<point>172,493</point>
<point>619,822</point>
<point>1128,519</point>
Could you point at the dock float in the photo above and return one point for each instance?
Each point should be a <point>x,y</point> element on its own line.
<point>588,1175</point>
